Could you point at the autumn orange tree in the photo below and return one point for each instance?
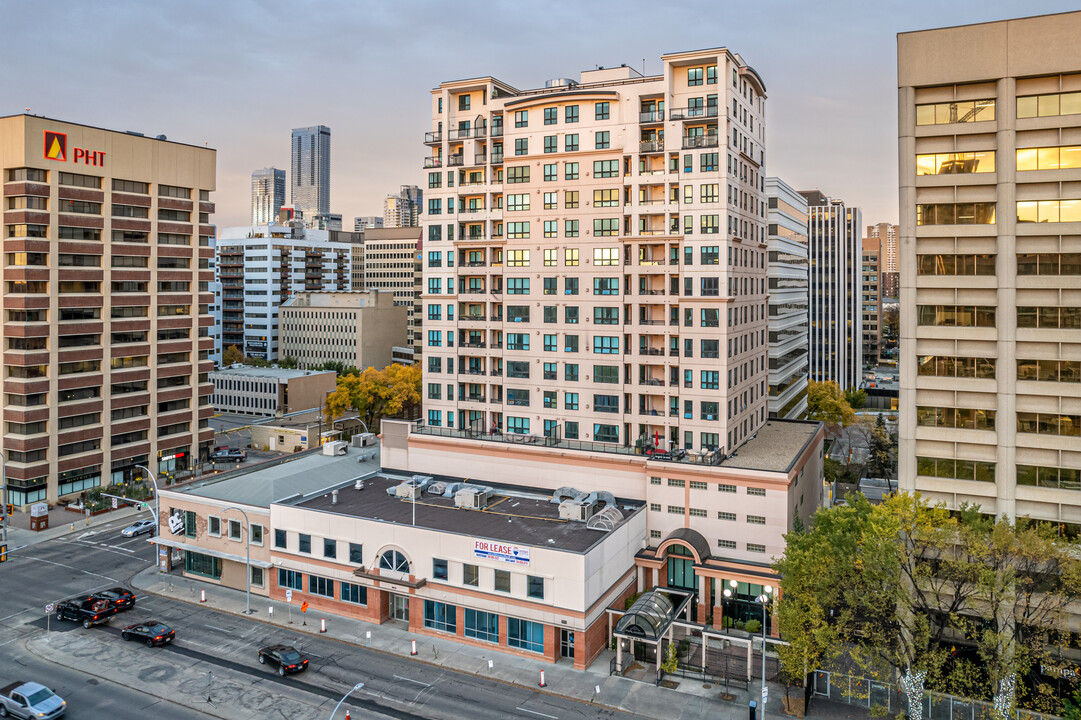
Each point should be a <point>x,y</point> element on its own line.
<point>393,391</point>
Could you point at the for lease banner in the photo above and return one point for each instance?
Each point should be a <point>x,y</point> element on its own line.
<point>501,551</point>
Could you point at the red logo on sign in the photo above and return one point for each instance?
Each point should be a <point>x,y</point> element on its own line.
<point>56,145</point>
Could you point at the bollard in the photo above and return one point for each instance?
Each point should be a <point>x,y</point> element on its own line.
<point>202,595</point>
<point>322,625</point>
<point>73,526</point>
<point>413,650</point>
<point>542,683</point>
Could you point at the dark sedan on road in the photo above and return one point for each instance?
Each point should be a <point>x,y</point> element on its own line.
<point>122,598</point>
<point>286,657</point>
<point>151,632</point>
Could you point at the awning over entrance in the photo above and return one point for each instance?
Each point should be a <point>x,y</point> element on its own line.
<point>648,618</point>
<point>207,551</point>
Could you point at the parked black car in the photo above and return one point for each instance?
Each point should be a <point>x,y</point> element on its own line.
<point>123,598</point>
<point>151,632</point>
<point>286,657</point>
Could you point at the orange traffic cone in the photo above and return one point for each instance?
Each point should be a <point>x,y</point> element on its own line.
<point>347,717</point>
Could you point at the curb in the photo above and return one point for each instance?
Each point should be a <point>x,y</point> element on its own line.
<point>316,633</point>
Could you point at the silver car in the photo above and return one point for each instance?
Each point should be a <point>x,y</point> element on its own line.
<point>31,700</point>
<point>138,528</point>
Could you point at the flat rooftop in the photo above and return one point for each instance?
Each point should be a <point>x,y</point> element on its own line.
<point>304,475</point>
<point>513,515</point>
<point>775,447</point>
<point>276,373</point>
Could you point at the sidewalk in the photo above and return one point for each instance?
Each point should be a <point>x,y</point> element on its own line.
<point>60,524</point>
<point>692,700</point>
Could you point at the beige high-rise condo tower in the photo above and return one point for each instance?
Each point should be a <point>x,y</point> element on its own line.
<point>106,305</point>
<point>990,250</point>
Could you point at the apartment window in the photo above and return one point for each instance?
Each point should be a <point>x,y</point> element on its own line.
<point>356,594</point>
<point>606,373</point>
<point>517,286</point>
<point>570,227</point>
<point>521,146</point>
<point>602,140</point>
<point>960,163</point>
<point>518,231</point>
<point>439,569</point>
<point>948,417</point>
<point>570,114</point>
<point>956,315</point>
<point>606,198</point>
<point>956,469</point>
<point>605,227</point>
<point>535,587</point>
<point>570,172</point>
<point>1049,211</point>
<point>605,168</point>
<point>570,144</point>
<point>551,143</point>
<point>956,112</point>
<point>213,526</point>
<point>305,543</point>
<point>606,315</point>
<point>290,580</point>
<point>756,548</point>
<point>551,202</point>
<point>1048,105</point>
<point>756,519</point>
<point>694,76</point>
<point>722,487</point>
<point>518,174</point>
<point>330,548</point>
<point>731,516</point>
<point>606,286</point>
<point>709,162</point>
<point>517,202</point>
<point>957,214</point>
<point>521,118</point>
<point>711,379</point>
<point>502,581</point>
<point>551,172</point>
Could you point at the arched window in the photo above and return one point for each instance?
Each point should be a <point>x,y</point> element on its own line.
<point>393,560</point>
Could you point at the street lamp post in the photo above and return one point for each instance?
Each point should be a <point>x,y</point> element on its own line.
<point>157,501</point>
<point>352,690</point>
<point>247,551</point>
<point>3,499</point>
<point>764,600</point>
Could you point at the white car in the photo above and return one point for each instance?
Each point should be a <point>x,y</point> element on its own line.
<point>138,528</point>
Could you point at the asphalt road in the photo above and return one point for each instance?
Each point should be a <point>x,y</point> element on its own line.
<point>212,666</point>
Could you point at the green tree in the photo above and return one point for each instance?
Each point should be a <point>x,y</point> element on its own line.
<point>257,362</point>
<point>856,398</point>
<point>880,463</point>
<point>827,403</point>
<point>232,355</point>
<point>288,363</point>
<point>393,391</point>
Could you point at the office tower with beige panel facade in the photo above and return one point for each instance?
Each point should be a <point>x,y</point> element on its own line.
<point>889,269</point>
<point>990,200</point>
<point>106,305</point>
<point>595,256</point>
<point>391,258</point>
<point>359,328</point>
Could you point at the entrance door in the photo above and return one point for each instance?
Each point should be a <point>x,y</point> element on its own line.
<point>566,643</point>
<point>399,607</point>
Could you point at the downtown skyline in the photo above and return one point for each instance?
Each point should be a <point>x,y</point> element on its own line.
<point>832,128</point>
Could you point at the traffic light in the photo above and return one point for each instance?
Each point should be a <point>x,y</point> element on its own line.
<point>3,553</point>
<point>11,509</point>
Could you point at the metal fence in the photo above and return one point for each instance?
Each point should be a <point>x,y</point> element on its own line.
<point>868,693</point>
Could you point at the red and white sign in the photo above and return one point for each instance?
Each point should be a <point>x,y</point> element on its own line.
<point>492,550</point>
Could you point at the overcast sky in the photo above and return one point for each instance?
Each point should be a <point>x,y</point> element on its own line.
<point>240,74</point>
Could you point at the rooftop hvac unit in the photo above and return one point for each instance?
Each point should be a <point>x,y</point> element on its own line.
<point>576,510</point>
<point>336,447</point>
<point>408,491</point>
<point>471,499</point>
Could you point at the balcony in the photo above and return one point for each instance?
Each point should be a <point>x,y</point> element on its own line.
<point>693,113</point>
<point>433,162</point>
<point>651,146</point>
<point>459,160</point>
<point>497,131</point>
<point>476,344</point>
<point>700,141</point>
<point>481,159</point>
<point>651,116</point>
<point>497,157</point>
<point>433,137</point>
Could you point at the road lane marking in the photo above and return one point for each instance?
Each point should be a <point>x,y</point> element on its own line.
<point>215,627</point>
<point>534,712</point>
<point>418,682</point>
<point>14,614</point>
<point>69,567</point>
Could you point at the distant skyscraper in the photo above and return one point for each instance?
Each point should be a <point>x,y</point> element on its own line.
<point>833,233</point>
<point>310,189</point>
<point>404,208</point>
<point>267,195</point>
<point>360,224</point>
<point>888,269</point>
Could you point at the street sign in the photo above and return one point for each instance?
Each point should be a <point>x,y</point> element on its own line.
<point>288,596</point>
<point>765,694</point>
<point>114,504</point>
<point>304,607</point>
<point>49,608</point>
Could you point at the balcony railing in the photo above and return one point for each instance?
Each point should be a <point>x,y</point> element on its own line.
<point>433,137</point>
<point>433,162</point>
<point>700,141</point>
<point>690,113</point>
<point>481,159</point>
<point>651,116</point>
<point>497,131</point>
<point>457,160</point>
<point>651,146</point>
<point>497,157</point>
